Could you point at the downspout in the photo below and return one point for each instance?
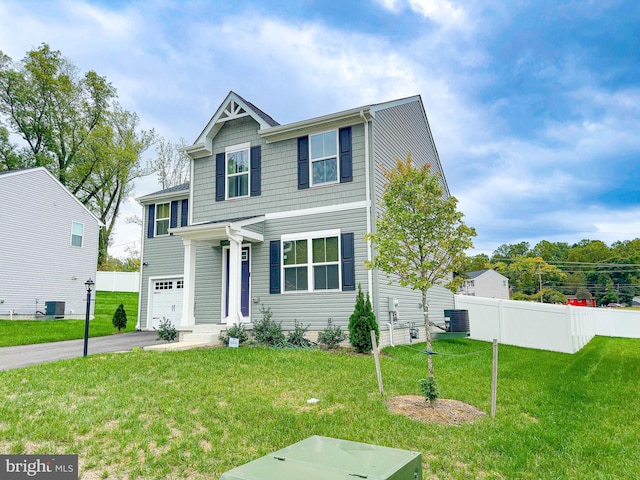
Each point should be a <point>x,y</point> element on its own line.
<point>367,179</point>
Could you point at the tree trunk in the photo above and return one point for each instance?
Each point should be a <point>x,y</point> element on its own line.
<point>427,328</point>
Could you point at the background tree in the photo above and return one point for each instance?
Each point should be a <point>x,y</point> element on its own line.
<point>420,237</point>
<point>54,110</point>
<point>116,146</point>
<point>172,164</point>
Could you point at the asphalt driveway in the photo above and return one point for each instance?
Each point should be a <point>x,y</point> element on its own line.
<point>25,355</point>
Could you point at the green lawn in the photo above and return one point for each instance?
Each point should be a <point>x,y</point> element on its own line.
<point>199,413</point>
<point>25,332</point>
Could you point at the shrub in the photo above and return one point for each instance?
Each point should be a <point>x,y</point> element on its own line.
<point>296,336</point>
<point>331,336</point>
<point>166,330</point>
<point>429,389</point>
<point>120,318</point>
<point>361,322</point>
<point>267,331</point>
<point>235,331</point>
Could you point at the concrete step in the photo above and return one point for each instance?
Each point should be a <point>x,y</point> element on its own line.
<point>207,334</point>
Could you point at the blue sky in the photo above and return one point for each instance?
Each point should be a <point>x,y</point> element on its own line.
<point>534,105</point>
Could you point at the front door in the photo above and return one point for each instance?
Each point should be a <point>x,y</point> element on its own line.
<point>245,282</point>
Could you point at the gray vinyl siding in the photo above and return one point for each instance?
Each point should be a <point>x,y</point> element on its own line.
<point>279,177</point>
<point>38,262</point>
<point>162,257</point>
<point>397,131</point>
<point>313,308</point>
<point>310,308</point>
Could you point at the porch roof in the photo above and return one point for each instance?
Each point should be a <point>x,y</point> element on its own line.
<point>215,231</point>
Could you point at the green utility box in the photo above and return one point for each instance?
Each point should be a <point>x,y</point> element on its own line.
<point>323,458</point>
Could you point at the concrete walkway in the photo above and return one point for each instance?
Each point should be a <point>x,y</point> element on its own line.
<point>25,355</point>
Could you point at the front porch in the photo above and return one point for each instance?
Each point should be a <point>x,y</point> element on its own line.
<point>235,270</point>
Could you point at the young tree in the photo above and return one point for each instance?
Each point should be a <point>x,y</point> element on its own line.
<point>361,322</point>
<point>420,236</point>
<point>119,319</point>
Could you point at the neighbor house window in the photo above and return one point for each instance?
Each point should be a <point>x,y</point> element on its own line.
<point>237,160</point>
<point>162,218</point>
<point>77,234</point>
<point>311,262</point>
<point>323,152</point>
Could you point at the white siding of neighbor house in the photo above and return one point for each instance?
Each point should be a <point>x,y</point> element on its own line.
<point>37,261</point>
<point>489,284</point>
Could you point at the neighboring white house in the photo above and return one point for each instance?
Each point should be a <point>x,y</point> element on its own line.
<point>48,246</point>
<point>486,283</point>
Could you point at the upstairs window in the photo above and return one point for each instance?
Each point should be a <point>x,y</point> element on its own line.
<point>77,234</point>
<point>162,219</point>
<point>323,152</point>
<point>237,168</point>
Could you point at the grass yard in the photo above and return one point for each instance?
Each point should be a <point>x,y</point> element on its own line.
<point>199,413</point>
<point>26,332</point>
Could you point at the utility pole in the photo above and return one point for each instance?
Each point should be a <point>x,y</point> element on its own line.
<point>539,272</point>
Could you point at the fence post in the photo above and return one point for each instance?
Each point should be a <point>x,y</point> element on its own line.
<point>494,378</point>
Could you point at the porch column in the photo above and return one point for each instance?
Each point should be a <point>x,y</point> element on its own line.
<point>235,277</point>
<point>188,318</point>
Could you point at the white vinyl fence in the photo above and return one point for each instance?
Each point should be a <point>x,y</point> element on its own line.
<point>559,328</point>
<point>118,281</point>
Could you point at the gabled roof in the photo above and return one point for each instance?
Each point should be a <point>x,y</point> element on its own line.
<point>167,192</point>
<point>477,273</point>
<point>233,106</point>
<point>28,171</point>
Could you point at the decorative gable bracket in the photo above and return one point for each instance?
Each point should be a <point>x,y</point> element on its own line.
<point>232,111</point>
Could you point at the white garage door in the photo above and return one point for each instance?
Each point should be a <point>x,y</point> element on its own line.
<point>166,301</point>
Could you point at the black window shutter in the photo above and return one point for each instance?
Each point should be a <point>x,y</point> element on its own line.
<point>173,221</point>
<point>255,171</point>
<point>151,221</point>
<point>346,158</point>
<point>184,214</point>
<point>303,163</point>
<point>274,266</point>
<point>220,177</point>
<point>348,262</point>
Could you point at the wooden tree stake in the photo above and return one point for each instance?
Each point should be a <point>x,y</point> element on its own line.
<point>494,378</point>
<point>377,359</point>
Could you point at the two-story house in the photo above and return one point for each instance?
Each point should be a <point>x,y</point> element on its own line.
<point>48,247</point>
<point>275,217</point>
<point>485,283</point>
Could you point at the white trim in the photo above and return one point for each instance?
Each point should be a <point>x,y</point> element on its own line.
<point>225,318</point>
<point>151,281</point>
<point>241,147</point>
<point>317,210</point>
<point>309,237</point>
<point>326,157</point>
<point>155,220</point>
<point>81,236</point>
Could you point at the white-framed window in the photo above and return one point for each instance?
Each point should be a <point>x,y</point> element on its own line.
<point>311,261</point>
<point>77,234</point>
<point>163,212</point>
<point>237,170</point>
<point>164,285</point>
<point>323,155</point>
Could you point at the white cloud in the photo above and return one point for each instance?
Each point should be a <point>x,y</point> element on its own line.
<point>441,12</point>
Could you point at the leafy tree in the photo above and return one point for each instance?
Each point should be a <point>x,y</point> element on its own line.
<point>551,251</point>
<point>10,157</point>
<point>119,319</point>
<point>361,322</point>
<point>526,273</point>
<point>54,110</point>
<point>593,251</point>
<point>116,146</point>
<point>510,250</point>
<point>172,164</point>
<point>420,236</point>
